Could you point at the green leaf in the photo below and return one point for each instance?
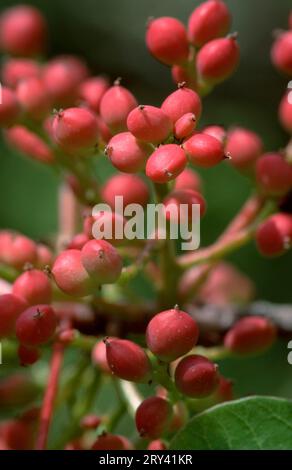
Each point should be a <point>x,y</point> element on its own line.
<point>257,423</point>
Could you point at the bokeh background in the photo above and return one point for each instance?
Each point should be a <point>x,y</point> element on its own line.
<point>110,35</point>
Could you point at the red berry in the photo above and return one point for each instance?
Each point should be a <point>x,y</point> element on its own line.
<point>127,360</point>
<point>218,59</point>
<point>180,102</point>
<point>188,179</point>
<point>34,287</point>
<point>11,307</point>
<point>153,416</point>
<point>244,147</point>
<point>9,108</point>
<point>149,124</point>
<point>224,391</point>
<point>126,153</point>
<point>30,144</point>
<point>184,75</point>
<point>274,235</point>
<point>216,131</point>
<point>102,261</point>
<point>171,334</point>
<point>166,163</point>
<point>104,131</point>
<point>250,335</point>
<point>18,434</point>
<point>273,174</point>
<point>157,444</point>
<point>204,150</point>
<point>99,357</point>
<point>92,90</point>
<point>27,356</point>
<point>185,126</point>
<point>90,422</point>
<point>131,187</point>
<point>16,70</point>
<point>196,376</point>
<point>112,442</point>
<point>16,390</point>
<point>67,336</point>
<point>282,53</point>
<point>285,112</point>
<point>208,21</point>
<point>116,104</point>
<point>70,275</point>
<point>78,241</point>
<point>17,250</point>
<point>166,39</point>
<point>33,98</point>
<point>22,31</point>
<point>188,197</point>
<point>75,130</point>
<point>36,325</point>
<point>44,256</point>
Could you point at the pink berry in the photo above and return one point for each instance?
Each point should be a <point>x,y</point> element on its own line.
<point>104,221</point>
<point>16,70</point>
<point>244,147</point>
<point>92,90</point>
<point>180,102</point>
<point>188,179</point>
<point>78,242</point>
<point>274,235</point>
<point>157,444</point>
<point>30,144</point>
<point>171,334</point>
<point>11,307</point>
<point>131,187</point>
<point>112,442</point>
<point>208,21</point>
<point>224,391</point>
<point>216,131</point>
<point>9,108</point>
<point>149,124</point>
<point>90,422</point>
<point>34,287</point>
<point>27,356</point>
<point>115,106</point>
<point>282,53</point>
<point>33,98</point>
<point>204,150</point>
<point>188,197</point>
<point>99,357</point>
<point>185,126</point>
<point>75,130</point>
<point>102,261</point>
<point>250,335</point>
<point>166,163</point>
<point>153,417</point>
<point>184,75</point>
<point>218,59</point>
<point>70,275</point>
<point>274,174</point>
<point>126,153</point>
<point>196,376</point>
<point>127,360</point>
<point>36,325</point>
<point>23,31</point>
<point>104,131</point>
<point>285,112</point>
<point>166,39</point>
<point>17,250</point>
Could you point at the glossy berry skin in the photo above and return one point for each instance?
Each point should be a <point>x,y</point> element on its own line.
<point>285,113</point>
<point>180,102</point>
<point>188,179</point>
<point>115,106</point>
<point>33,98</point>
<point>34,287</point>
<point>126,153</point>
<point>70,274</point>
<point>11,307</point>
<point>157,444</point>
<point>16,250</point>
<point>218,59</point>
<point>166,163</point>
<point>185,125</point>
<point>183,196</point>
<point>27,356</point>
<point>215,131</point>
<point>44,256</point>
<point>149,124</point>
<point>153,417</point>
<point>112,442</point>
<point>36,325</point>
<point>127,360</point>
<point>273,174</point>
<point>30,144</point>
<point>204,150</point>
<point>102,261</point>
<point>171,334</point>
<point>208,21</point>
<point>22,31</point>
<point>131,187</point>
<point>281,53</point>
<point>75,130</point>
<point>274,235</point>
<point>196,376</point>
<point>9,108</point>
<point>244,147</point>
<point>166,39</point>
<point>250,335</point>
<point>15,70</point>
<point>92,90</point>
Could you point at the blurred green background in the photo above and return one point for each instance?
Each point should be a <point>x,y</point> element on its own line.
<point>110,35</point>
